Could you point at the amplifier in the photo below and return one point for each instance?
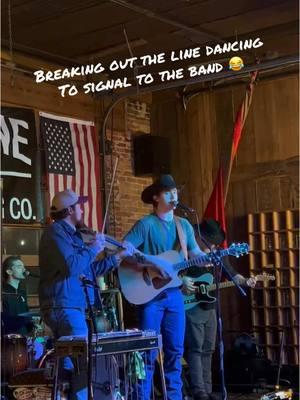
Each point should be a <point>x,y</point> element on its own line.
<point>110,358</point>
<point>147,341</point>
<point>74,345</point>
<point>108,343</point>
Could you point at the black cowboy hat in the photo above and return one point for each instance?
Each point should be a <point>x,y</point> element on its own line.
<point>211,230</point>
<point>164,182</point>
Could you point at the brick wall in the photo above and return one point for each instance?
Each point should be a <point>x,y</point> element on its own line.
<point>126,206</point>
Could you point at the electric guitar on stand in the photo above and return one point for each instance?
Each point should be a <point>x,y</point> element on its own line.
<point>204,285</point>
<point>142,286</point>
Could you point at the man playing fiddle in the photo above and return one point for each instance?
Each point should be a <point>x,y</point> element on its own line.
<point>64,259</point>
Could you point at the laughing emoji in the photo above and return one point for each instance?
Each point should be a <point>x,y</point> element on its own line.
<point>236,64</point>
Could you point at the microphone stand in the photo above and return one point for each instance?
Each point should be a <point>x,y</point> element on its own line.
<point>92,321</point>
<point>220,266</point>
<point>277,385</point>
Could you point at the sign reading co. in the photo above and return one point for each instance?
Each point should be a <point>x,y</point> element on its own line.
<point>19,178</point>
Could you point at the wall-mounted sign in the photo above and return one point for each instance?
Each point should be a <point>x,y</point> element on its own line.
<point>20,183</point>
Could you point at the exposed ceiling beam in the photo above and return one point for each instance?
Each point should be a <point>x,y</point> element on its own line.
<point>55,58</point>
<point>202,34</point>
<point>113,49</point>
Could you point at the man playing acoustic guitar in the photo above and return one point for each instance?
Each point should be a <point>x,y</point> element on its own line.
<point>156,233</point>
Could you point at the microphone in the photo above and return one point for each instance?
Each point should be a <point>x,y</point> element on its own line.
<point>32,274</point>
<point>183,207</point>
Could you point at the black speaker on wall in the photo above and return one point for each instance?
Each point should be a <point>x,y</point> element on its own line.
<point>151,155</point>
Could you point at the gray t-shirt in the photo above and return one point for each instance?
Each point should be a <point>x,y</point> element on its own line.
<point>152,235</point>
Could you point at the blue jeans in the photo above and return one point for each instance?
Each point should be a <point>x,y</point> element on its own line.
<point>65,322</point>
<point>165,314</point>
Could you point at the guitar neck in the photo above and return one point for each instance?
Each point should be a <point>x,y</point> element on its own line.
<point>221,285</point>
<point>259,278</point>
<point>197,261</point>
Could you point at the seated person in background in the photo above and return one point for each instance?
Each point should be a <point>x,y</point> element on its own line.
<point>14,299</point>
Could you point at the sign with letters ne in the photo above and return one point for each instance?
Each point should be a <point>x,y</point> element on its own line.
<point>20,182</point>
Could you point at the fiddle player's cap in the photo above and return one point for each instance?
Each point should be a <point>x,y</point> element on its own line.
<point>65,199</point>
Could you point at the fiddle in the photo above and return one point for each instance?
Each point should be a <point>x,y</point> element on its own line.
<point>89,235</point>
<point>135,262</point>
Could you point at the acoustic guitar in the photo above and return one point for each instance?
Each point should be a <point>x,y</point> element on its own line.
<point>143,285</point>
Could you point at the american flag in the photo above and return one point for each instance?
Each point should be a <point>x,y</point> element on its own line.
<point>72,162</point>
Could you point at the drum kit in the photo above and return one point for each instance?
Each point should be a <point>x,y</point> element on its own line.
<point>20,353</point>
<point>26,357</point>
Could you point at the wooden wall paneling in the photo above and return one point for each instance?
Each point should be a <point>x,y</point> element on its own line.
<point>270,132</point>
<point>24,92</point>
<point>201,170</point>
<point>180,145</point>
<point>185,140</point>
<point>246,153</point>
<point>198,147</point>
<point>178,139</point>
<point>265,117</point>
<point>169,120</point>
<point>45,97</point>
<point>241,196</point>
<point>252,20</point>
<point>194,155</point>
<point>250,196</point>
<point>258,154</point>
<point>268,193</point>
<point>286,98</point>
<point>239,199</point>
<point>214,138</point>
<point>208,149</point>
<point>229,207</point>
<point>224,128</point>
<point>224,122</point>
<point>286,192</point>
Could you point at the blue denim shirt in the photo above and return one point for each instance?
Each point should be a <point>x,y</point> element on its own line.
<point>63,258</point>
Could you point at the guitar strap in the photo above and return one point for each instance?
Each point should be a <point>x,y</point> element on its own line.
<point>182,238</point>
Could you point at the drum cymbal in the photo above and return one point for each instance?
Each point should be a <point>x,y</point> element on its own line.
<point>30,314</point>
<point>11,294</point>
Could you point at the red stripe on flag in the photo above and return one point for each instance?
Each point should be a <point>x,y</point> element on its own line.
<point>89,168</point>
<point>73,184</point>
<point>98,202</point>
<point>56,183</point>
<point>81,166</point>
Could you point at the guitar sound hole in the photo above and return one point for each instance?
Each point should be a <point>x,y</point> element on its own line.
<point>159,283</point>
<point>146,277</point>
